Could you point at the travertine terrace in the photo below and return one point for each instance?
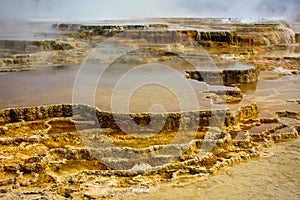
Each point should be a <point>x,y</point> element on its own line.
<point>79,151</point>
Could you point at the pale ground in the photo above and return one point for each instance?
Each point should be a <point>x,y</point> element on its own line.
<point>276,175</point>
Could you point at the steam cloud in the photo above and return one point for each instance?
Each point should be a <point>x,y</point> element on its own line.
<point>112,9</point>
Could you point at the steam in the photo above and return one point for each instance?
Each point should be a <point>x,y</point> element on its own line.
<point>245,9</point>
<point>116,9</point>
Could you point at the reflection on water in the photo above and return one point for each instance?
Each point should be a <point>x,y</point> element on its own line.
<point>39,87</point>
<point>52,85</point>
<point>55,85</point>
<point>272,95</point>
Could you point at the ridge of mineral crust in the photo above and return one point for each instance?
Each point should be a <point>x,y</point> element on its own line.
<point>59,146</point>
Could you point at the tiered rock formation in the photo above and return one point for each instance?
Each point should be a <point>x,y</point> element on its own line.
<point>40,145</point>
<point>243,40</point>
<point>81,152</point>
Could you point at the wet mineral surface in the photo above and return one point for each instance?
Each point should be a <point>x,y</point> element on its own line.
<point>65,133</point>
